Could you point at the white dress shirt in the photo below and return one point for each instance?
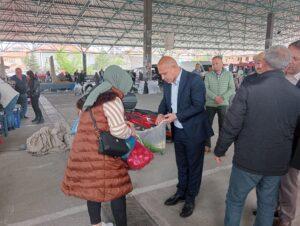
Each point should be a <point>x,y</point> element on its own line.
<point>174,98</point>
<point>293,79</point>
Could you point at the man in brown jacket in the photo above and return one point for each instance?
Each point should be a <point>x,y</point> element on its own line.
<point>289,183</point>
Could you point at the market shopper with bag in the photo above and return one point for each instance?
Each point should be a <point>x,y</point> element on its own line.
<point>91,174</point>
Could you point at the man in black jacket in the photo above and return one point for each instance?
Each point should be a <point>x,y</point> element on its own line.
<point>289,183</point>
<point>261,123</point>
<point>21,87</point>
<point>34,94</point>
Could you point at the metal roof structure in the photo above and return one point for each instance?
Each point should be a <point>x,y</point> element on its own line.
<point>197,24</point>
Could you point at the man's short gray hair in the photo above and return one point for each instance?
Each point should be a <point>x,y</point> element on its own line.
<point>278,57</point>
<point>217,57</point>
<point>295,44</point>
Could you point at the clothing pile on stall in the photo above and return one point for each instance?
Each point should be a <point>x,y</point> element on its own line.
<point>48,140</point>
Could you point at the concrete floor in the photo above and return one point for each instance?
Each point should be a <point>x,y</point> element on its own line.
<point>30,186</point>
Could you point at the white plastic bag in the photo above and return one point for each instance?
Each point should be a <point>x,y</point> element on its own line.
<point>154,138</point>
<point>77,89</point>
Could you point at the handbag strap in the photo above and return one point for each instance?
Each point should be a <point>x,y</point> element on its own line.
<point>97,130</point>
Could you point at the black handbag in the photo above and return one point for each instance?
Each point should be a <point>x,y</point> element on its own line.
<point>109,144</point>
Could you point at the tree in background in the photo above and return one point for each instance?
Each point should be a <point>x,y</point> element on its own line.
<point>31,62</point>
<point>68,62</point>
<point>103,60</point>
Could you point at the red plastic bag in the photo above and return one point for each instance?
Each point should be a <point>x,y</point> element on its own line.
<point>139,157</point>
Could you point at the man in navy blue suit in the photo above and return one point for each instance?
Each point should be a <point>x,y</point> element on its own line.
<point>183,105</point>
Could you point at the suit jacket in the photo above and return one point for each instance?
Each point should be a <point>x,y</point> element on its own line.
<point>190,106</point>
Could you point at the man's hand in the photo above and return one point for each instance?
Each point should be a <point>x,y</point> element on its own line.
<point>218,160</point>
<point>219,100</point>
<point>159,119</point>
<point>171,117</point>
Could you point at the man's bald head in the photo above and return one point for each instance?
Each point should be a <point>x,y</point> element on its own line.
<point>168,69</point>
<point>167,60</point>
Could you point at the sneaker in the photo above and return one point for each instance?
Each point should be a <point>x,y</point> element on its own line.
<point>106,224</point>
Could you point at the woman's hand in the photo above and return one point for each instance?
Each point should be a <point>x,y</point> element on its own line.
<point>133,131</point>
<point>131,126</point>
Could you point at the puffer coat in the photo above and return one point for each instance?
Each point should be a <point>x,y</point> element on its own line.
<point>90,175</point>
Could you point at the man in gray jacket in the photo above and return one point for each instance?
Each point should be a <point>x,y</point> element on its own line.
<point>261,122</point>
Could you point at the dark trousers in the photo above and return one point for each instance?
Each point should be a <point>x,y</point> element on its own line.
<point>22,100</point>
<point>36,108</point>
<point>118,207</point>
<point>189,159</point>
<point>211,111</point>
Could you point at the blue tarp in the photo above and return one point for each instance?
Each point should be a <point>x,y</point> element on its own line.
<point>57,86</point>
<point>9,98</point>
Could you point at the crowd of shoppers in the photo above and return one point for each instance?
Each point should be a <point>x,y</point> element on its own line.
<point>262,121</point>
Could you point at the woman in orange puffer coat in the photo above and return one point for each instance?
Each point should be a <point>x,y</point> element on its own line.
<point>92,176</point>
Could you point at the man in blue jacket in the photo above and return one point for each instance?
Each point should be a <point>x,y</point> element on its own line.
<point>183,105</point>
<point>261,122</point>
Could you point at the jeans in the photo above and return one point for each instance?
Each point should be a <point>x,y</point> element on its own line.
<point>189,159</point>
<point>118,207</point>
<point>36,108</point>
<point>211,111</point>
<point>23,102</point>
<point>241,183</point>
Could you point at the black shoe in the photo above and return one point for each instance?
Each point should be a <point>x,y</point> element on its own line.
<point>41,120</point>
<point>276,213</point>
<point>35,119</point>
<point>173,200</point>
<point>187,210</point>
<point>25,117</point>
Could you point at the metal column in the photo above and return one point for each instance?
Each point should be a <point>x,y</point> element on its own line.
<point>270,28</point>
<point>2,69</point>
<point>52,70</point>
<point>147,39</point>
<point>84,61</point>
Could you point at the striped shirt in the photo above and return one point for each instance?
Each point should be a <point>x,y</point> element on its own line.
<point>114,112</point>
